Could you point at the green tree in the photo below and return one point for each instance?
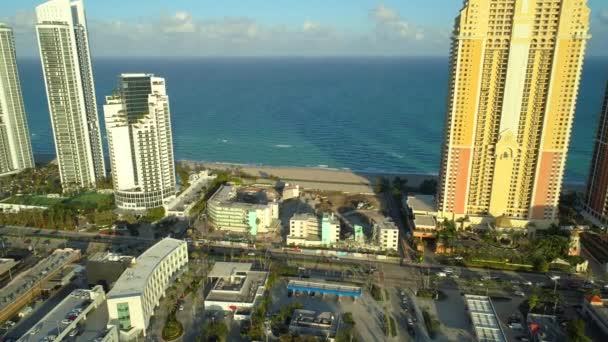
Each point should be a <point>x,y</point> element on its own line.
<point>183,173</point>
<point>576,331</point>
<point>154,214</point>
<point>215,331</point>
<point>381,184</point>
<point>428,187</point>
<point>533,302</point>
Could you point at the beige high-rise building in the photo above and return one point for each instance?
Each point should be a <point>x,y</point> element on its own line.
<point>68,75</point>
<point>515,72</point>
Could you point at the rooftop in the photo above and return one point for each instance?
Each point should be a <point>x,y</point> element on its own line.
<point>109,257</point>
<point>308,322</point>
<point>66,315</point>
<point>425,221</point>
<point>304,216</point>
<point>226,269</point>
<point>227,195</point>
<point>387,224</point>
<point>483,316</point>
<point>422,203</point>
<point>31,278</point>
<point>133,279</point>
<point>236,283</point>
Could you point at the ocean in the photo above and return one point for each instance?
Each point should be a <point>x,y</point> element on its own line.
<point>365,114</point>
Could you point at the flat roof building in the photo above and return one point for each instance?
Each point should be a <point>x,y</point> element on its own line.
<point>66,316</point>
<point>227,212</point>
<point>387,234</point>
<point>137,292</point>
<point>235,287</point>
<point>314,323</point>
<point>104,268</point>
<point>486,325</point>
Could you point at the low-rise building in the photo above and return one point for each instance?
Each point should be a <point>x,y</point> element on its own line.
<point>104,268</point>
<point>301,226</point>
<point>486,325</point>
<point>66,316</point>
<point>226,212</point>
<point>309,230</point>
<point>425,226</point>
<point>236,288</point>
<point>137,292</point>
<point>596,308</point>
<point>313,323</point>
<point>387,234</point>
<point>290,191</point>
<point>422,211</point>
<point>421,204</point>
<point>330,229</point>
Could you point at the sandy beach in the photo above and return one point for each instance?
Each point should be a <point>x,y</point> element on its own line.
<point>317,177</point>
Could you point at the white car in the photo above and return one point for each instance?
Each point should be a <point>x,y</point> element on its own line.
<point>519,294</point>
<point>442,274</point>
<point>527,283</point>
<point>554,277</point>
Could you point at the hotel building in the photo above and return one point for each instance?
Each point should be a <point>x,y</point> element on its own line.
<point>138,125</point>
<point>64,50</point>
<point>596,200</point>
<point>515,73</point>
<point>137,292</point>
<point>15,145</point>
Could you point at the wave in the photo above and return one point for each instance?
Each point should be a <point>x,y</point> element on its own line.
<point>282,146</point>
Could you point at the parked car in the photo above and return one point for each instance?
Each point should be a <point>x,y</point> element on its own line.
<point>519,294</point>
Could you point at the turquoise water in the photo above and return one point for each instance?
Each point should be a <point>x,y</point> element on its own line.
<point>365,114</point>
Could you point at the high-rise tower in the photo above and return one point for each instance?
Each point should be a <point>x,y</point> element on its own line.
<point>66,62</point>
<point>596,199</point>
<point>138,125</point>
<point>515,72</point>
<point>15,145</point>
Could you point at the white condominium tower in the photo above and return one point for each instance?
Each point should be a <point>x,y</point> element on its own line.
<point>138,125</point>
<point>66,62</point>
<point>15,146</point>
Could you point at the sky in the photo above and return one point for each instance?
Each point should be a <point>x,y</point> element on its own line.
<point>268,27</point>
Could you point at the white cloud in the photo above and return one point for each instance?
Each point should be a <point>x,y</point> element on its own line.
<point>390,24</point>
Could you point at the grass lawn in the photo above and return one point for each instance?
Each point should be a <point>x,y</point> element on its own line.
<point>33,200</point>
<point>90,200</point>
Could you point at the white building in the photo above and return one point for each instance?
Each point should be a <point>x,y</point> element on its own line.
<point>387,234</point>
<point>138,125</point>
<point>15,145</point>
<point>64,50</point>
<point>236,288</point>
<point>137,292</point>
<point>304,226</point>
<point>309,230</point>
<point>227,213</point>
<point>291,191</point>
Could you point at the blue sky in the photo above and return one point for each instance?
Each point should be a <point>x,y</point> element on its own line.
<point>268,27</point>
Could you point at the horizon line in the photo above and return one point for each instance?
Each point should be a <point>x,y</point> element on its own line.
<point>271,56</point>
